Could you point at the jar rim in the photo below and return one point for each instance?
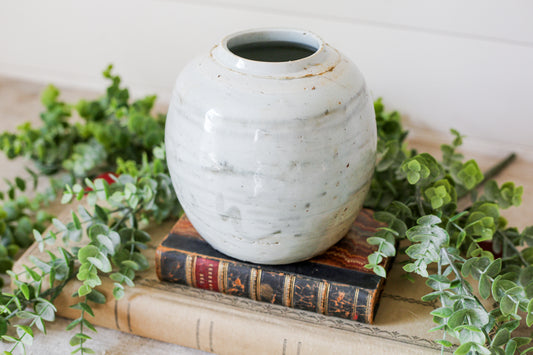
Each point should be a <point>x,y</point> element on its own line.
<point>319,61</point>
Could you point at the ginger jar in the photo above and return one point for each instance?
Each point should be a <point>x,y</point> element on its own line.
<point>271,144</point>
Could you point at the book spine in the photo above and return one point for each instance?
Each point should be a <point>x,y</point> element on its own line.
<point>261,284</point>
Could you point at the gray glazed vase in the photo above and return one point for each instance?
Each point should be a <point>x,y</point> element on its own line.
<point>271,145</point>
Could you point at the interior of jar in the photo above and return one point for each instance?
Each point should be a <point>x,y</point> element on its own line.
<point>274,45</point>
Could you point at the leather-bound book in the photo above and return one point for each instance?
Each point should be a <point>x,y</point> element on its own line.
<point>335,283</point>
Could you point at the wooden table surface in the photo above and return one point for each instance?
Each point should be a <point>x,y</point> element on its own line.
<point>19,102</point>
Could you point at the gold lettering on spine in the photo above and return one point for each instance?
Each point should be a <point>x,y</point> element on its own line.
<point>188,270</point>
<point>225,267</point>
<point>193,271</point>
<point>253,284</point>
<point>325,302</point>
<point>220,280</point>
<point>258,285</point>
<point>368,313</point>
<point>323,288</point>
<point>288,290</point>
<point>355,298</point>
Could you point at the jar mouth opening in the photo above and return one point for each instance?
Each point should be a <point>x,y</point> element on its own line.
<point>282,53</point>
<point>273,45</point>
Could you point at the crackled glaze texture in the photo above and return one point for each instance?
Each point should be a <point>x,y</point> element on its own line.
<point>271,161</point>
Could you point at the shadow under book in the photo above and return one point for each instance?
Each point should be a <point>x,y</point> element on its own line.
<point>335,283</point>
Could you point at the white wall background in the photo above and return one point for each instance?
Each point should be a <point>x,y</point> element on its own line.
<point>443,63</point>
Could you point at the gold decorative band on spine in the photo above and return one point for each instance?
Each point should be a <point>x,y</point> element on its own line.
<point>253,284</point>
<point>288,290</point>
<point>258,285</point>
<point>368,310</point>
<point>225,266</point>
<point>189,262</point>
<point>325,301</point>
<point>193,271</point>
<point>323,289</point>
<point>221,277</point>
<point>355,299</point>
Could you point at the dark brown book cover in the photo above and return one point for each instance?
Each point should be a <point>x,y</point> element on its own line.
<point>335,283</point>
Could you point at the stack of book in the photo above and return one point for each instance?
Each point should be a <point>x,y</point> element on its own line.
<point>211,302</point>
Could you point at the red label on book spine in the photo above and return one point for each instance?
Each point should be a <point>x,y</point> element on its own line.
<point>206,274</point>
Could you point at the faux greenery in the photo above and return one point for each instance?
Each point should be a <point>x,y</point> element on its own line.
<point>416,195</point>
<point>112,135</point>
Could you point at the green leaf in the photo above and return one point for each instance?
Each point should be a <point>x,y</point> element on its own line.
<point>87,252</point>
<point>102,189</point>
<point>375,258</point>
<point>502,336</point>
<point>84,290</point>
<point>529,317</point>
<point>74,340</point>
<point>35,276</point>
<point>133,265</point>
<point>464,349</point>
<point>26,315</point>
<point>49,96</point>
<point>484,286</point>
<point>25,333</point>
<point>88,324</point>
<point>73,324</point>
<point>9,338</point>
<point>443,312</point>
<point>511,300</point>
<point>21,184</point>
<point>101,213</point>
<point>3,326</point>
<point>118,291</point>
<point>432,296</point>
<point>76,220</point>
<point>468,316</point>
<point>444,342</point>
<point>96,297</point>
<point>46,310</point>
<point>510,347</point>
<point>101,262</point>
<point>106,242</point>
<point>85,307</point>
<point>520,341</point>
<point>67,197</point>
<point>378,270</point>
<point>39,323</point>
<point>411,267</point>
<point>25,290</point>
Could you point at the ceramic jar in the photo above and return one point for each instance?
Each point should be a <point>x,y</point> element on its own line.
<point>271,143</point>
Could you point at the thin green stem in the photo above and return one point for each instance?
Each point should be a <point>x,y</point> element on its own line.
<point>464,286</point>
<point>460,277</point>
<point>419,202</point>
<point>439,268</point>
<point>498,168</point>
<point>508,242</point>
<point>81,325</point>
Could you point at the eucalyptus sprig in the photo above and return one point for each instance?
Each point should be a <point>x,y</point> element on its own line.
<point>103,239</point>
<point>417,196</point>
<point>105,236</point>
<point>111,127</point>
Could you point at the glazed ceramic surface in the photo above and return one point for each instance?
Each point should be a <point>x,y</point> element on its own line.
<point>271,160</point>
